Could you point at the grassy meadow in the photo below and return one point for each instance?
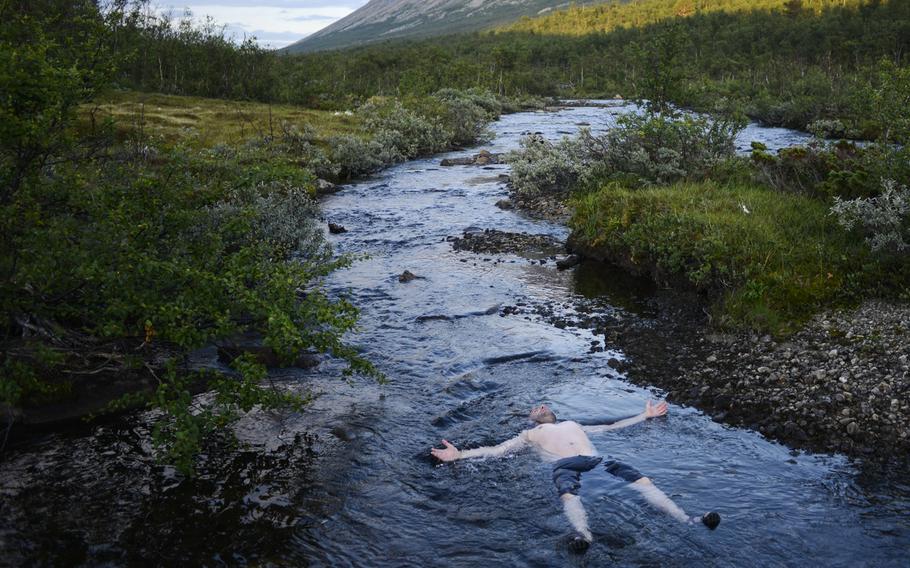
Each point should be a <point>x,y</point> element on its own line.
<point>206,122</point>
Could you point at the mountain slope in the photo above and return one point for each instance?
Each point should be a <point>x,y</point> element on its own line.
<point>380,20</point>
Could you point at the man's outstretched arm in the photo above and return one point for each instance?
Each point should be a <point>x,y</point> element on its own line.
<point>651,411</point>
<point>451,453</point>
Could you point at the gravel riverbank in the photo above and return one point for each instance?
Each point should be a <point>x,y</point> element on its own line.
<point>841,384</point>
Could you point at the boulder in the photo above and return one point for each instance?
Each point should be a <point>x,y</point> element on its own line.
<point>324,187</point>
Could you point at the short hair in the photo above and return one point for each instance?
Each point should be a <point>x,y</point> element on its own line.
<point>543,416</point>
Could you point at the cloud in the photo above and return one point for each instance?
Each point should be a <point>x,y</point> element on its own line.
<point>275,23</point>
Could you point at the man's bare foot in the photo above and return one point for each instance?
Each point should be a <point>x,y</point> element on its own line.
<point>578,544</point>
<point>710,520</point>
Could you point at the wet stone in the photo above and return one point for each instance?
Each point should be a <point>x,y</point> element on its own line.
<point>492,241</point>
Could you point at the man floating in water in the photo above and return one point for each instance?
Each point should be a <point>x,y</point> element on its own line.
<point>567,444</point>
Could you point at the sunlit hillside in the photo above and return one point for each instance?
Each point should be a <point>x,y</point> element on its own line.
<point>607,17</point>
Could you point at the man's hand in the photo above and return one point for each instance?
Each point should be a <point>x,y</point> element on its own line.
<point>653,411</point>
<point>450,453</point>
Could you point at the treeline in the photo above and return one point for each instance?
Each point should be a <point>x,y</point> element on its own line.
<point>783,62</point>
<point>180,55</point>
<point>788,66</point>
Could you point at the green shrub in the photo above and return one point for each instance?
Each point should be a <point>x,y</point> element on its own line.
<point>177,251</point>
<point>353,156</point>
<point>884,220</point>
<point>771,260</point>
<point>401,132</point>
<point>394,131</point>
<point>467,114</point>
<point>642,150</point>
<point>544,167</point>
<point>841,170</point>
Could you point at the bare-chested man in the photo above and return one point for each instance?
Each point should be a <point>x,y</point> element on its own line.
<point>566,443</point>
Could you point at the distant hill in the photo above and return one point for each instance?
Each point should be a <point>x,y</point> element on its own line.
<point>381,20</point>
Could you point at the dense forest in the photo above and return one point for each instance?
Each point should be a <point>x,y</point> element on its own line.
<point>783,62</point>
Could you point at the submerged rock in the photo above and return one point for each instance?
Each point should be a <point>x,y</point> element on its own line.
<point>456,162</point>
<point>568,262</point>
<point>408,276</point>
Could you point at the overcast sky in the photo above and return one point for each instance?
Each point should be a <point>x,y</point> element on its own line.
<point>275,23</point>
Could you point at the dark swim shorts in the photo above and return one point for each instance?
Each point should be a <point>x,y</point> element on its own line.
<point>567,472</point>
<point>623,471</point>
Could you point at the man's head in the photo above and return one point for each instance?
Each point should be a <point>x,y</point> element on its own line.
<point>542,415</point>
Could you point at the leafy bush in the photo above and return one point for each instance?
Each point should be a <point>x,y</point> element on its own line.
<point>661,150</point>
<point>394,132</point>
<point>841,170</point>
<point>828,128</point>
<point>483,99</point>
<point>403,133</point>
<point>885,219</point>
<point>642,150</point>
<point>353,156</point>
<point>304,147</point>
<point>174,253</point>
<point>467,114</point>
<point>544,167</point>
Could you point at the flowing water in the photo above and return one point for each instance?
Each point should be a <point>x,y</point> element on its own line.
<point>350,481</point>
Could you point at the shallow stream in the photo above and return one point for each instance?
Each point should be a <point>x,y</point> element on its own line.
<point>350,481</point>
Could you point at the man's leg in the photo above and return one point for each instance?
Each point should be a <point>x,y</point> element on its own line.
<point>575,512</point>
<point>659,500</point>
<point>567,477</point>
<point>655,497</point>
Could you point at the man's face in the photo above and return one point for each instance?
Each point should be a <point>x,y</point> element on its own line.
<point>541,413</point>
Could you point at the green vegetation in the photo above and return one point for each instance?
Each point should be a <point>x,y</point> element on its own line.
<point>205,122</point>
<point>784,62</point>
<point>641,150</point>
<point>137,227</point>
<point>771,239</point>
<point>772,259</point>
